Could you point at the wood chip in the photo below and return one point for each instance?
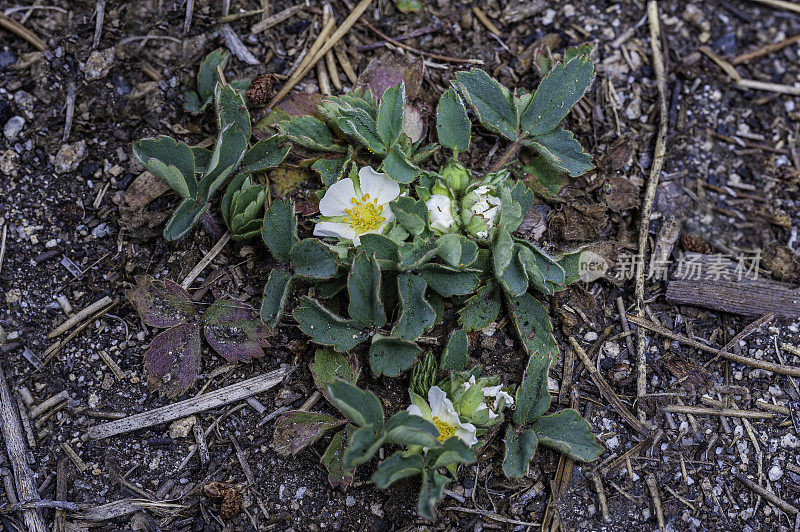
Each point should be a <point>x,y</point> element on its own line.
<point>72,455</point>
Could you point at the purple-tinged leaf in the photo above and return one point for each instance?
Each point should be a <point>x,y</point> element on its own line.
<point>390,69</point>
<point>296,430</point>
<point>234,330</point>
<point>173,359</point>
<point>161,304</point>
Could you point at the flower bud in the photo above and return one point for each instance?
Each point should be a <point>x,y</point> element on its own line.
<point>457,176</point>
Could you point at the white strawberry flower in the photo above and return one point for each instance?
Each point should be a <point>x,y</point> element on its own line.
<point>439,410</point>
<point>440,213</point>
<point>349,210</point>
<point>495,399</point>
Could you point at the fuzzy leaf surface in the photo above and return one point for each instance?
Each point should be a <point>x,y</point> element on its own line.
<point>325,328</point>
<point>390,356</point>
<point>160,303</point>
<point>295,430</point>
<point>279,231</point>
<point>569,433</point>
<point>520,448</point>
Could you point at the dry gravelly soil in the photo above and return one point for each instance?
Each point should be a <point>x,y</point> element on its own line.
<point>60,203</point>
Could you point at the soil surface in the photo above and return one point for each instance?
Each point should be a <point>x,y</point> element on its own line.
<point>72,237</point>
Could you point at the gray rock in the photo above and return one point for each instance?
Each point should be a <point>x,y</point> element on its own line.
<point>70,156</point>
<point>101,230</point>
<point>98,64</point>
<point>9,162</point>
<point>13,127</point>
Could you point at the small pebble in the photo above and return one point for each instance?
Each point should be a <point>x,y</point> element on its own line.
<point>98,64</point>
<point>9,162</point>
<point>180,428</point>
<point>13,128</point>
<point>101,230</point>
<point>775,473</point>
<point>790,441</point>
<point>350,501</point>
<point>70,156</point>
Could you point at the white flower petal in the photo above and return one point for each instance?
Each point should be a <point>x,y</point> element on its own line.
<point>378,185</point>
<point>337,229</point>
<point>437,399</point>
<point>492,391</point>
<point>504,396</point>
<point>448,413</point>
<point>467,434</point>
<point>337,198</point>
<point>440,212</point>
<point>414,410</point>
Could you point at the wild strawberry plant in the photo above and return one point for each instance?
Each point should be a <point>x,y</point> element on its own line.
<point>395,242</point>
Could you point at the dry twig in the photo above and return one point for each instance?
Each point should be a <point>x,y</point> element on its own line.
<point>15,447</point>
<point>767,494</point>
<point>764,50</point>
<point>650,194</point>
<point>355,14</point>
<point>780,369</point>
<point>277,18</point>
<point>21,31</point>
<point>780,4</point>
<point>606,391</point>
<point>80,316</point>
<point>205,261</point>
<point>181,409</point>
<point>99,13</point>
<point>699,410</point>
<point>652,485</point>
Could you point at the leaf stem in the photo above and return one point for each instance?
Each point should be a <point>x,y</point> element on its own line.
<point>510,152</point>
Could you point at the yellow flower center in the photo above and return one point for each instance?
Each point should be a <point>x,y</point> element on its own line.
<point>365,214</point>
<point>446,430</point>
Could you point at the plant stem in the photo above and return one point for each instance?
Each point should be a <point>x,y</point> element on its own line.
<point>510,152</point>
<point>211,225</point>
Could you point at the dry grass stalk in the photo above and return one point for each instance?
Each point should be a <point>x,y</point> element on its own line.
<point>355,14</point>
<point>80,316</point>
<point>205,261</point>
<point>17,454</point>
<point>21,31</point>
<point>650,194</point>
<point>780,369</point>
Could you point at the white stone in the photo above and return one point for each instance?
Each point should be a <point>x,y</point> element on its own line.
<point>775,473</point>
<point>180,428</point>
<point>13,127</point>
<point>790,441</point>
